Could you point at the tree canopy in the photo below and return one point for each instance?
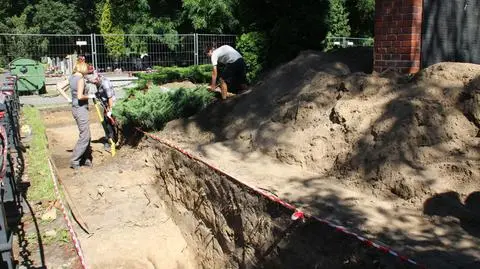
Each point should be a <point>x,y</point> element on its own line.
<point>287,25</point>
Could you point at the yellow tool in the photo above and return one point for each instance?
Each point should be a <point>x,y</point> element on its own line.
<point>99,109</point>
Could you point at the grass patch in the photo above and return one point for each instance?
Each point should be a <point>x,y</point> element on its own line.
<point>155,108</point>
<point>61,237</point>
<point>42,188</point>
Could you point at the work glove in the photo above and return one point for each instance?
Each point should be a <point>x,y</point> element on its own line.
<point>109,114</point>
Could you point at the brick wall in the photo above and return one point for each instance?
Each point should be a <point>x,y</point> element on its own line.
<point>398,27</point>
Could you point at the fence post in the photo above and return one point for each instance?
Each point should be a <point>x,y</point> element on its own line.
<point>195,48</point>
<point>95,50</point>
<point>92,47</point>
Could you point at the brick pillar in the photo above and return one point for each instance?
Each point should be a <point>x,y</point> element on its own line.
<point>398,28</point>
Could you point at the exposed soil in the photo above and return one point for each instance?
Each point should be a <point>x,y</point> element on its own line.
<point>395,158</point>
<point>38,248</point>
<point>41,236</point>
<point>391,156</point>
<point>116,198</point>
<point>177,85</point>
<point>229,225</point>
<point>152,207</point>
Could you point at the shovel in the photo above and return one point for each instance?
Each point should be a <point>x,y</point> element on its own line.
<point>100,109</point>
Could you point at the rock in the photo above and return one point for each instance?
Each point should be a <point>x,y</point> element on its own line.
<point>403,190</point>
<point>471,98</point>
<point>25,131</point>
<point>336,118</point>
<point>100,190</point>
<point>51,233</point>
<point>50,215</point>
<point>472,108</point>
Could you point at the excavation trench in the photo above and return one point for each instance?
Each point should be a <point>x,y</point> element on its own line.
<point>154,207</point>
<point>229,225</point>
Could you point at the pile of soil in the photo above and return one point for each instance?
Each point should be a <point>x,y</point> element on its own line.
<point>379,129</point>
<point>398,138</point>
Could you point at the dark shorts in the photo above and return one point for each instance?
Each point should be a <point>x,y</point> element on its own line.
<point>234,74</point>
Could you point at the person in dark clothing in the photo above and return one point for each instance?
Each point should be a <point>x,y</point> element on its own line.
<point>105,95</point>
<point>233,77</point>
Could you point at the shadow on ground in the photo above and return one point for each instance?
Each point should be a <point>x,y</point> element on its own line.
<point>415,119</point>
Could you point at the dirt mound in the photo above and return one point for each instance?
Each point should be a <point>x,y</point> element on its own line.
<point>392,134</point>
<point>452,72</point>
<point>398,139</point>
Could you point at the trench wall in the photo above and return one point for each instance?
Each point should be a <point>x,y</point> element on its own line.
<point>229,225</point>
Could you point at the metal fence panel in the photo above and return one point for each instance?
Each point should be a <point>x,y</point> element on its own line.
<point>206,39</point>
<point>53,50</point>
<point>109,52</point>
<point>344,42</point>
<point>126,52</point>
<point>140,52</point>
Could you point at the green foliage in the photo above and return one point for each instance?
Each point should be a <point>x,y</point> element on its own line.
<point>138,19</point>
<point>113,35</point>
<point>42,188</point>
<point>211,16</point>
<point>138,44</point>
<point>55,17</point>
<point>87,22</point>
<point>362,16</point>
<point>195,74</point>
<point>337,21</point>
<point>290,26</point>
<point>154,109</point>
<point>20,46</point>
<point>253,47</point>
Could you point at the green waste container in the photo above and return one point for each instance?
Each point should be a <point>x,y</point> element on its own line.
<point>30,74</point>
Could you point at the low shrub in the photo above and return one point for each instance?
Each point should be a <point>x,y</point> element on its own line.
<point>253,47</point>
<point>152,110</point>
<point>195,74</point>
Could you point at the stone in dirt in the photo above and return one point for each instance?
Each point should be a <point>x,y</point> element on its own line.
<point>50,215</point>
<point>51,233</point>
<point>25,131</point>
<point>100,190</point>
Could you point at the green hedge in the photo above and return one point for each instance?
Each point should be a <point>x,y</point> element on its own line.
<point>253,47</point>
<point>195,74</point>
<point>154,109</point>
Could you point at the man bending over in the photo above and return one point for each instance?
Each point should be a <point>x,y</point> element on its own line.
<point>233,76</point>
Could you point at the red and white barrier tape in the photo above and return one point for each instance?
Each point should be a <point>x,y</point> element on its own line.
<point>73,235</point>
<point>298,214</point>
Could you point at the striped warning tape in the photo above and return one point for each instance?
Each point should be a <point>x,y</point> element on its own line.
<point>73,235</point>
<point>298,214</point>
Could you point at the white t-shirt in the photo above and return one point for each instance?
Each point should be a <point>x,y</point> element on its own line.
<point>225,55</point>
